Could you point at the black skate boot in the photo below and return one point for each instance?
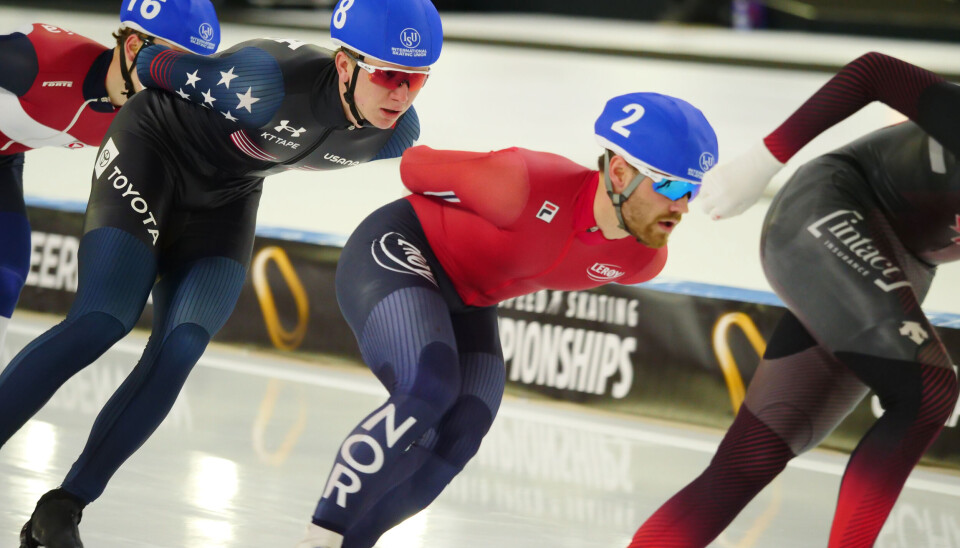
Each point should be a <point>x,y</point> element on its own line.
<point>54,522</point>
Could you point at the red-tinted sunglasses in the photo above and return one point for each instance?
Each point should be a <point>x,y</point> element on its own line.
<point>392,78</point>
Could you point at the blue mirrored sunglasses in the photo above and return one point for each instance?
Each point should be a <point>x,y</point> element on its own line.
<point>674,189</point>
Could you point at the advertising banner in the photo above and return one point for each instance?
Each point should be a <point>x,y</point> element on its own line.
<point>670,355</point>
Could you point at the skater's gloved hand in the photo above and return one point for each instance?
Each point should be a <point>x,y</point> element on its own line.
<point>732,187</point>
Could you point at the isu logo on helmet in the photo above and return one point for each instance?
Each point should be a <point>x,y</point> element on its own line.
<point>706,161</point>
<point>602,272</point>
<point>410,38</point>
<point>206,31</point>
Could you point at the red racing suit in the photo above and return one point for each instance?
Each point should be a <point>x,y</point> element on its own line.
<point>52,89</point>
<point>512,222</point>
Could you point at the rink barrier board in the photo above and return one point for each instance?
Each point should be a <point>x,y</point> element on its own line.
<point>668,349</point>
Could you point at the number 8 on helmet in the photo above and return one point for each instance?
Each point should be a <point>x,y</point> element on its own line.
<point>401,32</point>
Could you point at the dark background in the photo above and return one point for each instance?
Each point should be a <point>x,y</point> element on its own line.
<point>914,19</point>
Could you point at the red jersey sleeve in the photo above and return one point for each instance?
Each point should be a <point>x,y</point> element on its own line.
<point>493,185</point>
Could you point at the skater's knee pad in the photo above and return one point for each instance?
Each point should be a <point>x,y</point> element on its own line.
<point>439,473</point>
<point>389,431</point>
<point>94,330</point>
<point>904,387</point>
<point>484,377</point>
<point>789,337</point>
<point>792,425</point>
<point>72,345</point>
<point>462,429</point>
<point>181,349</point>
<point>437,376</point>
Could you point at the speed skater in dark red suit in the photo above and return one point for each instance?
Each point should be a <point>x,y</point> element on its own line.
<point>850,244</point>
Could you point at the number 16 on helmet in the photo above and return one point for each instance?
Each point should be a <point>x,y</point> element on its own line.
<point>189,24</point>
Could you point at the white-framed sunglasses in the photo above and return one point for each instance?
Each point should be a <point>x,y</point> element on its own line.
<point>673,188</point>
<point>392,78</point>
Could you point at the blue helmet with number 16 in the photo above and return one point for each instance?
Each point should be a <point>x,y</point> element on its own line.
<point>401,32</point>
<point>188,24</point>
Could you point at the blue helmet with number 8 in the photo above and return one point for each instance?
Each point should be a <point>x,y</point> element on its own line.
<point>659,131</point>
<point>189,24</point>
<point>401,32</point>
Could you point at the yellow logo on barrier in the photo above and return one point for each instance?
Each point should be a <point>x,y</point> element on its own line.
<point>262,424</point>
<point>281,338</point>
<point>721,348</point>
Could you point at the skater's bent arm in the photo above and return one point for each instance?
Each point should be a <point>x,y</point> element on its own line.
<point>18,63</point>
<point>494,185</point>
<point>247,83</point>
<point>919,94</point>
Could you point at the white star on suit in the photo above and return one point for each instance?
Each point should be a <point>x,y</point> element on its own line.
<point>229,116</point>
<point>247,100</point>
<point>183,94</point>
<point>192,79</point>
<point>208,98</point>
<point>226,77</point>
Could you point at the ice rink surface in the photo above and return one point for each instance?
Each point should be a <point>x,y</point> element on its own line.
<point>243,456</point>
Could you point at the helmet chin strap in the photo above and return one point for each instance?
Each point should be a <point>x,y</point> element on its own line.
<point>125,71</point>
<point>348,97</point>
<point>619,197</point>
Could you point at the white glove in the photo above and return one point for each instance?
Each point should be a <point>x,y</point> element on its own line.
<point>318,537</point>
<point>732,187</point>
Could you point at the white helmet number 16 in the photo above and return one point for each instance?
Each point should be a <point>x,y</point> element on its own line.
<point>148,8</point>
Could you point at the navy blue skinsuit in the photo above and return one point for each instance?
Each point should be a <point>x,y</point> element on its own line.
<point>173,209</point>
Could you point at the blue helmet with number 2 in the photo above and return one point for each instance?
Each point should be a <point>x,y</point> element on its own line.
<point>189,24</point>
<point>401,32</point>
<point>665,133</point>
